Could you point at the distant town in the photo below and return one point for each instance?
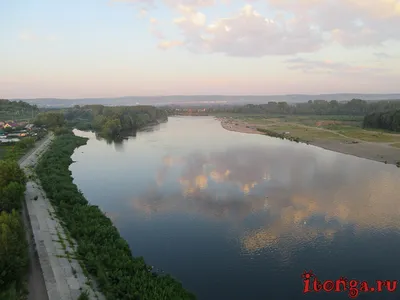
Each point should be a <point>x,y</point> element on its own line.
<point>14,131</point>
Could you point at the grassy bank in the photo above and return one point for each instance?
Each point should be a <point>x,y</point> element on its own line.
<point>317,128</point>
<point>104,253</point>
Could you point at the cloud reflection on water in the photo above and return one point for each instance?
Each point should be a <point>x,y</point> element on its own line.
<point>300,198</point>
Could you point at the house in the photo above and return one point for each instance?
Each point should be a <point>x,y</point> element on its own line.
<point>29,126</point>
<point>10,125</point>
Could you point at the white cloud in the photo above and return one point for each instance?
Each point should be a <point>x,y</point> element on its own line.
<point>164,45</point>
<point>248,33</point>
<point>349,22</point>
<point>292,26</point>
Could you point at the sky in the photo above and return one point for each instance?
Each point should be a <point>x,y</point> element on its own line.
<point>112,48</point>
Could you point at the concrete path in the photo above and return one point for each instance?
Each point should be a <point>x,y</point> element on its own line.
<point>62,273</point>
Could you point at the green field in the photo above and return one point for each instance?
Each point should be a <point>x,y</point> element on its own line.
<point>316,127</point>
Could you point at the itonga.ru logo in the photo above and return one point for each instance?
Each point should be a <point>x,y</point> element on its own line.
<point>311,284</point>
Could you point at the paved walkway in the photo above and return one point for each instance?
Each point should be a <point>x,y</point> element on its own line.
<point>63,276</point>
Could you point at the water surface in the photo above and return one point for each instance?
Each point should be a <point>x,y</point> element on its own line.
<point>240,217</point>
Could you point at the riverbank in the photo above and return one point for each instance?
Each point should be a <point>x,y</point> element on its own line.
<point>385,152</point>
<point>64,277</point>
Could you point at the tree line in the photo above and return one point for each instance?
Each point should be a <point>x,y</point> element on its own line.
<point>13,244</point>
<point>105,254</point>
<point>107,121</point>
<point>389,120</point>
<point>356,107</point>
<point>16,109</point>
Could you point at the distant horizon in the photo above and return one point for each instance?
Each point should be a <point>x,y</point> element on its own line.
<point>201,95</point>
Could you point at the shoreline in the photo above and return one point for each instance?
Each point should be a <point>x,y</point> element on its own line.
<point>379,152</point>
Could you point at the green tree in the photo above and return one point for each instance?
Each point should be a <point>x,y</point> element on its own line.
<point>9,172</point>
<point>50,119</point>
<point>11,196</point>
<point>13,250</point>
<point>25,143</point>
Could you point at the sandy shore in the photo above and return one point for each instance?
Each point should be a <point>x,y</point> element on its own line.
<point>238,126</point>
<point>381,152</point>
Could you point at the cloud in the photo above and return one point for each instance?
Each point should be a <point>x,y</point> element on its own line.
<point>288,27</point>
<point>382,55</point>
<point>164,45</point>
<point>247,33</point>
<point>300,26</point>
<point>348,22</point>
<point>329,67</point>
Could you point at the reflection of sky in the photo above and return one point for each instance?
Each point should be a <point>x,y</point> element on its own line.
<point>210,170</point>
<point>272,196</point>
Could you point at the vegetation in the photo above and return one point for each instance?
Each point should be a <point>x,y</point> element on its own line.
<point>16,110</point>
<point>113,121</point>
<point>281,135</point>
<point>355,107</point>
<point>13,244</point>
<point>84,296</point>
<point>16,150</point>
<point>389,120</point>
<point>51,119</point>
<point>105,254</point>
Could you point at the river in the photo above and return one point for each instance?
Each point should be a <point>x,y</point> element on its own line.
<point>236,216</point>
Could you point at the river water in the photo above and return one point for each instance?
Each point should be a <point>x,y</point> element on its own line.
<point>240,217</point>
